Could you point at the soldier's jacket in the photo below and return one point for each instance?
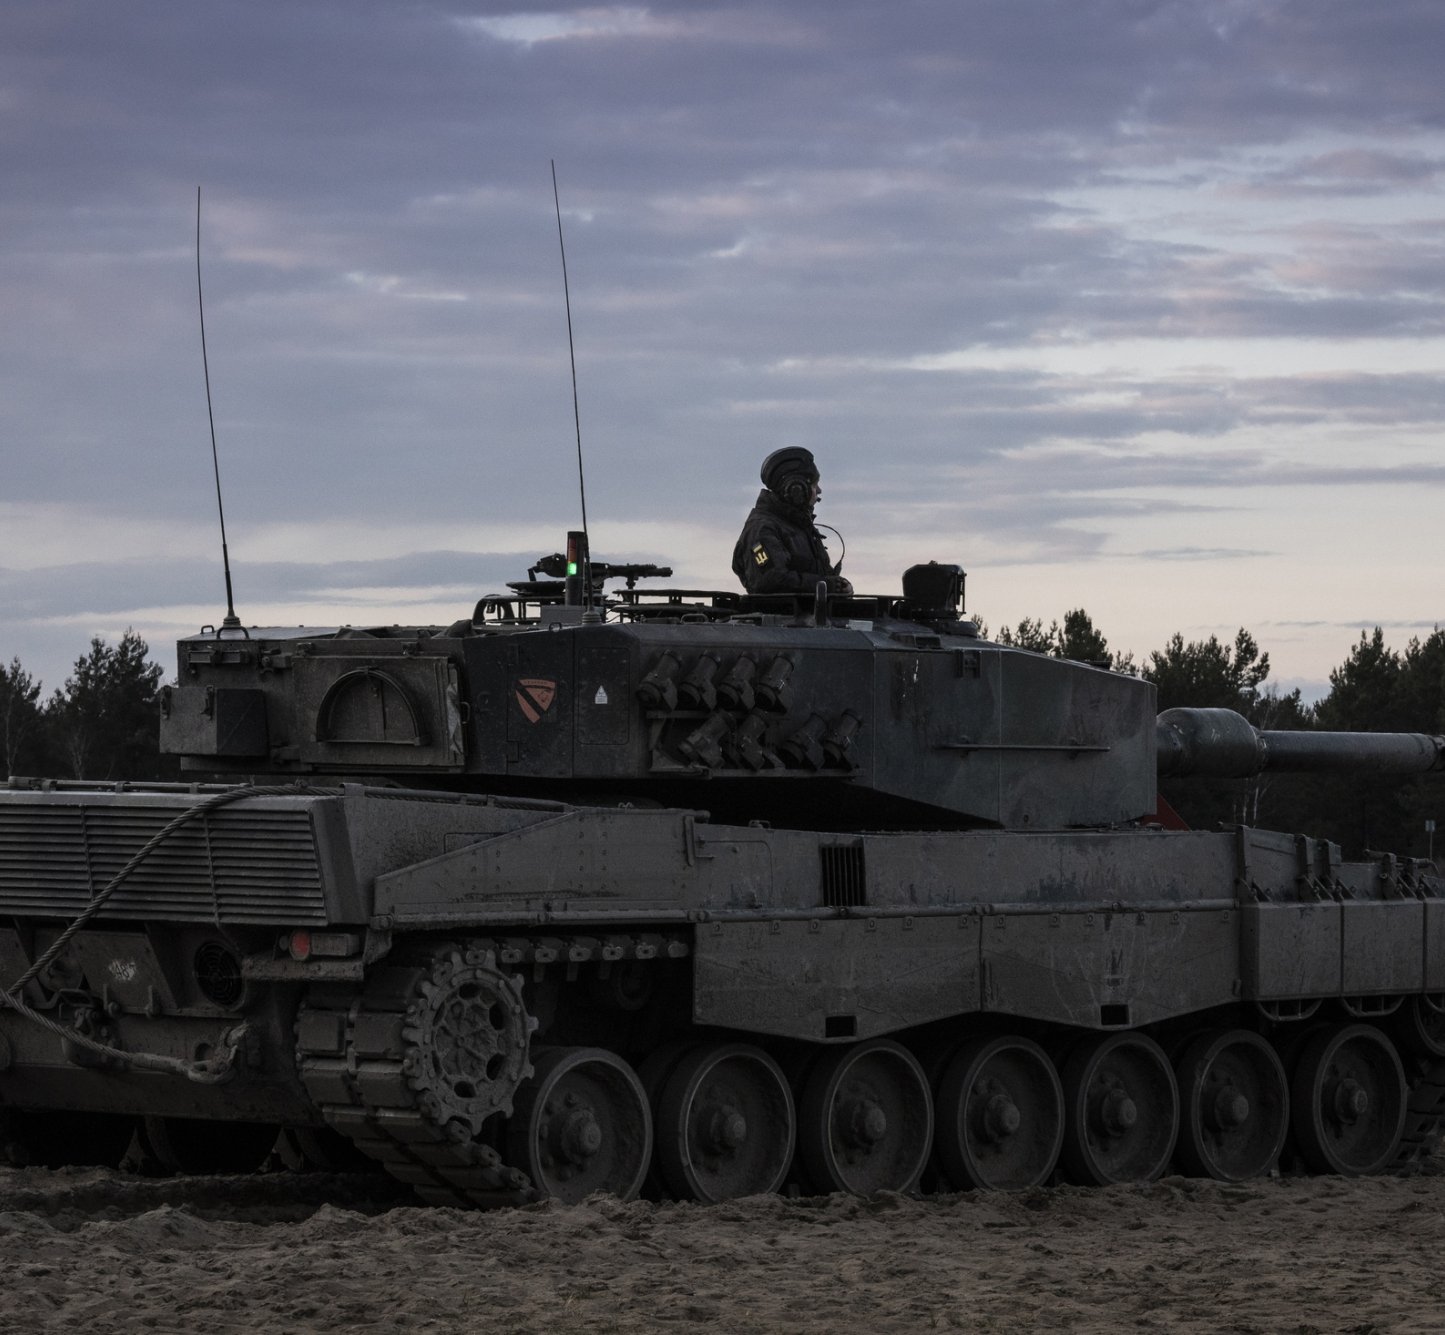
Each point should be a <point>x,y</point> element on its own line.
<point>779,550</point>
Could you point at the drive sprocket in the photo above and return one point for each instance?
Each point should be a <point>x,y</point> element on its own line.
<point>467,1034</point>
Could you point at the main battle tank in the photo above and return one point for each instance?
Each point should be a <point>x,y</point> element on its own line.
<point>706,895</point>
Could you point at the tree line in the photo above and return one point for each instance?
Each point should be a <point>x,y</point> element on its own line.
<point>102,724</point>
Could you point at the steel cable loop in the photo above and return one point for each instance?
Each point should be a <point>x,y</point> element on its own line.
<point>211,1070</point>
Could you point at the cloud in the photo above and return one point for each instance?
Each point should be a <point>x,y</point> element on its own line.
<point>1203,554</point>
<point>528,29</point>
<point>1054,282</point>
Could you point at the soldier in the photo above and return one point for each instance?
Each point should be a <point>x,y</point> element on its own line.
<point>780,550</point>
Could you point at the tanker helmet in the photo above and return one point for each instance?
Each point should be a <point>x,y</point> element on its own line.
<point>790,473</point>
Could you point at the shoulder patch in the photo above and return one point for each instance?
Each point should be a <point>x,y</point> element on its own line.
<point>760,557</point>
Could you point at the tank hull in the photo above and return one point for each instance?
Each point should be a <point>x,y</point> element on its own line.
<point>430,973</point>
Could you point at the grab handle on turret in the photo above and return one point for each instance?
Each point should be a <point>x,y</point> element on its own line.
<point>1221,744</point>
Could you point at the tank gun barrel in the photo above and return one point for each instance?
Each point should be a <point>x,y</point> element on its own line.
<point>1221,744</point>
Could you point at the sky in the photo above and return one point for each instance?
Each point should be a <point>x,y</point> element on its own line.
<point>1130,305</point>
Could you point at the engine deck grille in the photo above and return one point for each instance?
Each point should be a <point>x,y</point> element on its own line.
<point>255,864</point>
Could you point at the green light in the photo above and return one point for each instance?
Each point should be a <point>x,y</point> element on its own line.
<point>571,567</point>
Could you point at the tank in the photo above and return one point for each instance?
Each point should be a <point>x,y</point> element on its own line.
<point>703,895</point>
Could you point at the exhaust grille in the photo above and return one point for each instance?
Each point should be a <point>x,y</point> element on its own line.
<point>845,884</point>
<point>252,865</point>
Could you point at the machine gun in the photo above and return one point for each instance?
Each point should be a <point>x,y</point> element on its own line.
<point>555,567</point>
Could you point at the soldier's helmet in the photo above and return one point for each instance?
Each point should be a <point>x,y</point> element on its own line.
<point>791,461</point>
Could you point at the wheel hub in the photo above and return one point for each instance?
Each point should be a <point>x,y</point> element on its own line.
<point>1350,1100</point>
<point>864,1123</point>
<point>1229,1109</point>
<point>1117,1112</point>
<point>574,1137</point>
<point>1001,1118</point>
<point>727,1129</point>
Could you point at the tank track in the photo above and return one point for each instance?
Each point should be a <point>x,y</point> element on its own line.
<point>1424,1116</point>
<point>393,1067</point>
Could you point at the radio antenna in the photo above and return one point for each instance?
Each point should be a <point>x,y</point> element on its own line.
<point>232,621</point>
<point>585,563</point>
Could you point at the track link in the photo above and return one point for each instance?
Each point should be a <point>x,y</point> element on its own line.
<point>358,1058</point>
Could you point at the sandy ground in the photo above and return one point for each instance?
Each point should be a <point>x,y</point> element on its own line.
<point>90,1250</point>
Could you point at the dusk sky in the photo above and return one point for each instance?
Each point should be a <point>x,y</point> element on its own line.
<point>1134,305</point>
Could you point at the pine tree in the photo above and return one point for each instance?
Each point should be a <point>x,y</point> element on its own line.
<point>1208,674</point>
<point>20,719</point>
<point>1077,638</point>
<point>104,720</point>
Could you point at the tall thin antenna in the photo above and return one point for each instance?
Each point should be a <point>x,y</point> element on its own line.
<point>232,621</point>
<point>576,413</point>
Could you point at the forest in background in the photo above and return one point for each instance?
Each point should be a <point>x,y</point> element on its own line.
<point>102,724</point>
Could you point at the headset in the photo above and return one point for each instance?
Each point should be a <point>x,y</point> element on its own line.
<point>797,490</point>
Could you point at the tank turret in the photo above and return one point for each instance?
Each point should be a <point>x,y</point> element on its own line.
<point>890,711</point>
